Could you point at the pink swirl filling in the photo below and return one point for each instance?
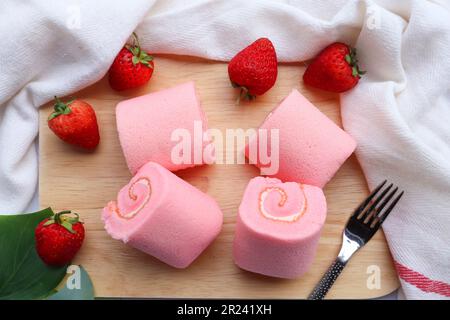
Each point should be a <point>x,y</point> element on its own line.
<point>130,202</point>
<point>274,204</point>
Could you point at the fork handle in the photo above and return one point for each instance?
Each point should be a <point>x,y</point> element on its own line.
<point>328,279</point>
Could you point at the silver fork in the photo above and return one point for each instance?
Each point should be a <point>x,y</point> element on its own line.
<point>360,228</point>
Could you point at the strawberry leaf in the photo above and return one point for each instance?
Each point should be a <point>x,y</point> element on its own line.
<point>348,59</point>
<point>352,60</point>
<point>49,222</point>
<point>148,58</point>
<point>67,225</point>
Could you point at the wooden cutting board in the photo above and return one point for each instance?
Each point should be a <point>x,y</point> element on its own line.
<point>85,182</point>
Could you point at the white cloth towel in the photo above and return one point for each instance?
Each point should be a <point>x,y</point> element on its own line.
<point>399,113</point>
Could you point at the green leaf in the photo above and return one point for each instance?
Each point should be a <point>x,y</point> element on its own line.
<point>77,286</point>
<point>23,275</point>
<point>135,60</point>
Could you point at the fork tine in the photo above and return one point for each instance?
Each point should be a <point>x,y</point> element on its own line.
<point>367,214</point>
<point>368,199</point>
<point>379,218</point>
<point>382,216</point>
<point>386,201</point>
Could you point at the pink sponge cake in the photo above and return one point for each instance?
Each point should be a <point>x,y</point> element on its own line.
<point>278,227</point>
<point>311,146</point>
<point>151,126</point>
<point>164,216</point>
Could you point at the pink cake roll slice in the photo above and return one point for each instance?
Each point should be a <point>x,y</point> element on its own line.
<point>151,126</point>
<point>311,147</point>
<point>278,227</point>
<point>164,216</point>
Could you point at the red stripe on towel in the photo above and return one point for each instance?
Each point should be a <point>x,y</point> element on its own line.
<point>422,282</point>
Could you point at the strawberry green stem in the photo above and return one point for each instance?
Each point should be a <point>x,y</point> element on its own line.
<point>136,42</point>
<point>243,94</point>
<point>139,55</point>
<point>60,108</point>
<point>351,59</point>
<point>63,220</point>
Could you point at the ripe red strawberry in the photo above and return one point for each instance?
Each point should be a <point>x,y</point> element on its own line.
<point>335,69</point>
<point>75,122</point>
<point>254,70</point>
<point>132,68</point>
<point>59,238</point>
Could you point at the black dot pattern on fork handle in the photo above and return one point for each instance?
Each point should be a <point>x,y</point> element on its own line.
<point>328,279</point>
